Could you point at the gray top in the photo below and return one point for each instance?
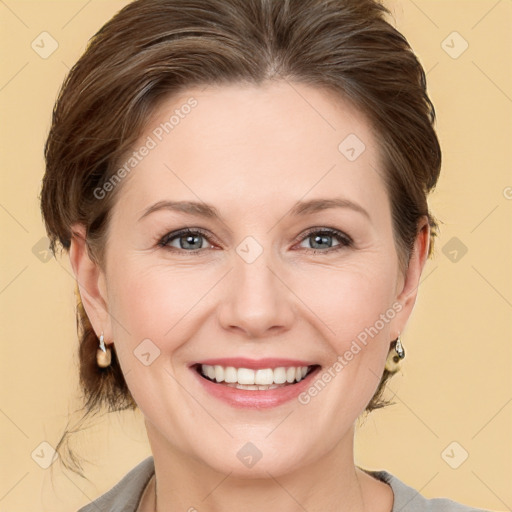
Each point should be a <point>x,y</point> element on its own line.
<point>126,494</point>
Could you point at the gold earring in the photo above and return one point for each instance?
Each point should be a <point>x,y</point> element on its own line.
<point>103,354</point>
<point>396,354</point>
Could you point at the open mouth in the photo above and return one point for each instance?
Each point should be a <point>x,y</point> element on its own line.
<point>255,380</point>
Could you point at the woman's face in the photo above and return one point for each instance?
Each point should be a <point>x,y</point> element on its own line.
<point>272,275</point>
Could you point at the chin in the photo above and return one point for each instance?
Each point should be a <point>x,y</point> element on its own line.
<point>256,459</point>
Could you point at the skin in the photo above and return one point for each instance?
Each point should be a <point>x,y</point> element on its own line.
<point>252,152</point>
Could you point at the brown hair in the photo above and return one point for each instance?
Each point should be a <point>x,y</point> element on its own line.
<point>154,48</point>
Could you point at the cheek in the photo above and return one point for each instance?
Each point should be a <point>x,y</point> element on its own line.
<point>150,303</point>
<point>358,311</point>
<point>348,299</point>
<point>154,295</point>
<point>153,317</point>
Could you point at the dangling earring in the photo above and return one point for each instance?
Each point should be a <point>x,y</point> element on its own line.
<point>398,348</point>
<point>103,354</point>
<point>395,355</point>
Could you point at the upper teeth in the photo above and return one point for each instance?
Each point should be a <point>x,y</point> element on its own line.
<point>264,376</point>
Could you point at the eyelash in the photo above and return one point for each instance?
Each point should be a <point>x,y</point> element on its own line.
<point>343,239</point>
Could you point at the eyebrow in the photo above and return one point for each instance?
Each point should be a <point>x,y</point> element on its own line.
<point>300,208</point>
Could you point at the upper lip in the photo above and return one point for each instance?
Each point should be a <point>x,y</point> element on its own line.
<point>254,364</point>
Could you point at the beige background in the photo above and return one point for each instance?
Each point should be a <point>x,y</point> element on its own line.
<point>456,380</point>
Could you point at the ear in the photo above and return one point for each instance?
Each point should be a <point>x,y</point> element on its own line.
<point>409,289</point>
<point>91,283</point>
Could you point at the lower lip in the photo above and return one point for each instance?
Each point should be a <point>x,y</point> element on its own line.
<point>246,398</point>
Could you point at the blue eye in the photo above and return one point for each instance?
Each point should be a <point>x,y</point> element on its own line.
<point>324,236</point>
<point>192,240</point>
<point>188,240</point>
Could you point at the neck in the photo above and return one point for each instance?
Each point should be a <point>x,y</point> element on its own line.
<point>330,483</point>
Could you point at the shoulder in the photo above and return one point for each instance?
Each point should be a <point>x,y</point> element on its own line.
<point>126,494</point>
<point>408,499</point>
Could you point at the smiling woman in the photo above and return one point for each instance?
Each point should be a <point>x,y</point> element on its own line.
<point>242,189</point>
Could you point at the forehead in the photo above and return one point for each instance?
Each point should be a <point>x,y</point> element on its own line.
<point>234,142</point>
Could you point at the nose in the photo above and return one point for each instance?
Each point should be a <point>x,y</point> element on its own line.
<point>257,301</point>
